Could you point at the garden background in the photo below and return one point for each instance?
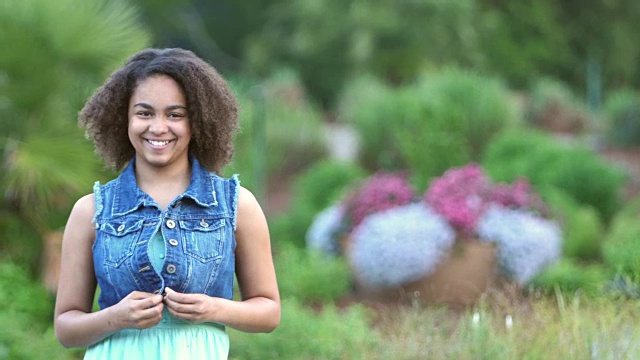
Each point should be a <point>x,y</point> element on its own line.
<point>332,93</point>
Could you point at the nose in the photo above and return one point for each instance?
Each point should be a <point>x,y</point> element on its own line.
<point>158,125</point>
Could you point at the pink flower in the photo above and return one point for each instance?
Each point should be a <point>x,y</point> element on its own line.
<point>380,192</point>
<point>461,195</point>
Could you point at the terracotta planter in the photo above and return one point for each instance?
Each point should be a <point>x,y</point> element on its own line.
<point>459,281</point>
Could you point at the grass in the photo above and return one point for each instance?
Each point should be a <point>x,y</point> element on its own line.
<point>556,327</point>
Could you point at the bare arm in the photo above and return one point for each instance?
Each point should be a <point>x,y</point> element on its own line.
<point>75,324</point>
<point>259,310</point>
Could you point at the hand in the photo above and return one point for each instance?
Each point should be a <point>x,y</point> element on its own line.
<point>139,310</point>
<point>194,308</point>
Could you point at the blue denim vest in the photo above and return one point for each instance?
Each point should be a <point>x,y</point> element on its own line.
<point>198,228</point>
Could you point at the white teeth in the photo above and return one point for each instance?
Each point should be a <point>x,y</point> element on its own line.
<point>158,143</point>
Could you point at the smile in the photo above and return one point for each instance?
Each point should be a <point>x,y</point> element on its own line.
<point>158,143</point>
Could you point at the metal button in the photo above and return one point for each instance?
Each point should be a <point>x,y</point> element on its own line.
<point>171,268</point>
<point>171,224</point>
<point>204,223</point>
<point>121,227</point>
<point>173,242</point>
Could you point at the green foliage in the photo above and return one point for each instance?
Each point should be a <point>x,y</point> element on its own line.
<point>60,52</point>
<point>374,109</point>
<point>621,248</point>
<point>622,110</point>
<point>310,276</point>
<point>582,228</point>
<point>318,187</point>
<point>569,277</point>
<point>324,183</point>
<point>329,333</point>
<point>522,50</point>
<point>576,170</point>
<point>553,106</point>
<point>446,119</point>
<point>26,331</point>
<point>332,41</point>
<point>280,129</point>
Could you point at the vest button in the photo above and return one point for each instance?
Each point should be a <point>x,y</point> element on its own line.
<point>171,224</point>
<point>121,228</point>
<point>173,242</point>
<point>171,268</point>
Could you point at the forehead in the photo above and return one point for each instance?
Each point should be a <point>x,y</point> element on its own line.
<point>158,89</point>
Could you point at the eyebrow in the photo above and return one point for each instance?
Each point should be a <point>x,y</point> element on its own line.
<point>171,107</point>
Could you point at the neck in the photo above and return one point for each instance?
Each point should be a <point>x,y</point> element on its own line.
<point>163,184</point>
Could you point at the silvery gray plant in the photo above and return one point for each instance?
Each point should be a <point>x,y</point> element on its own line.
<point>324,233</point>
<point>526,243</point>
<point>399,245</point>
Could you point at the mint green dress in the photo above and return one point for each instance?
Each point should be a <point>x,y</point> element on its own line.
<point>171,339</point>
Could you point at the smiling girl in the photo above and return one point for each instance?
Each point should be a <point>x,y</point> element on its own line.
<point>165,239</point>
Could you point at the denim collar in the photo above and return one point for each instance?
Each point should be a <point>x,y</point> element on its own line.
<point>129,197</point>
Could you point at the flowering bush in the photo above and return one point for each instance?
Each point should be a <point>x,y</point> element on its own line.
<point>394,238</point>
<point>463,194</point>
<point>380,192</point>
<point>460,196</point>
<point>399,245</point>
<point>323,234</point>
<point>526,242</point>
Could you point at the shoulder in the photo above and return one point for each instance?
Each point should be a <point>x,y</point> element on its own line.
<point>84,208</point>
<point>249,210</point>
<point>80,224</point>
<point>246,200</point>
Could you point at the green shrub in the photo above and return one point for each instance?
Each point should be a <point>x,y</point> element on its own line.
<point>446,119</point>
<point>581,226</point>
<point>330,333</point>
<point>621,248</point>
<point>311,276</point>
<point>622,110</point>
<point>374,109</point>
<point>569,276</point>
<point>324,183</point>
<point>553,106</point>
<point>315,189</point>
<point>577,171</point>
<point>26,331</point>
<point>277,135</point>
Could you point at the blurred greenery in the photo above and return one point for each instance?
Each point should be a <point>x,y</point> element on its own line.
<point>52,63</point>
<point>428,84</point>
<point>330,42</point>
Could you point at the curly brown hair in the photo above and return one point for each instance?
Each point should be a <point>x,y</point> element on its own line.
<point>212,108</point>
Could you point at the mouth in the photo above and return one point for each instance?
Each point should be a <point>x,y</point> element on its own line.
<point>158,142</point>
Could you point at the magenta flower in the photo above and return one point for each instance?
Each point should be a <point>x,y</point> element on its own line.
<point>380,192</point>
<point>460,196</point>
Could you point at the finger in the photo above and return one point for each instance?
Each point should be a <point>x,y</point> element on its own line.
<point>180,297</point>
<point>149,301</point>
<point>179,307</point>
<point>150,313</point>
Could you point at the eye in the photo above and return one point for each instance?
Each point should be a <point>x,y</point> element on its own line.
<point>143,113</point>
<point>175,115</point>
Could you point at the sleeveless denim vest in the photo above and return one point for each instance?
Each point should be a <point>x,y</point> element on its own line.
<point>198,229</point>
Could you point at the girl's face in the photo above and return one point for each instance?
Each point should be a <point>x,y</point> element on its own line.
<point>159,127</point>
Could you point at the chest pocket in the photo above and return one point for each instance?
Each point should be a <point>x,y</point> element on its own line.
<point>118,240</point>
<point>203,238</point>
